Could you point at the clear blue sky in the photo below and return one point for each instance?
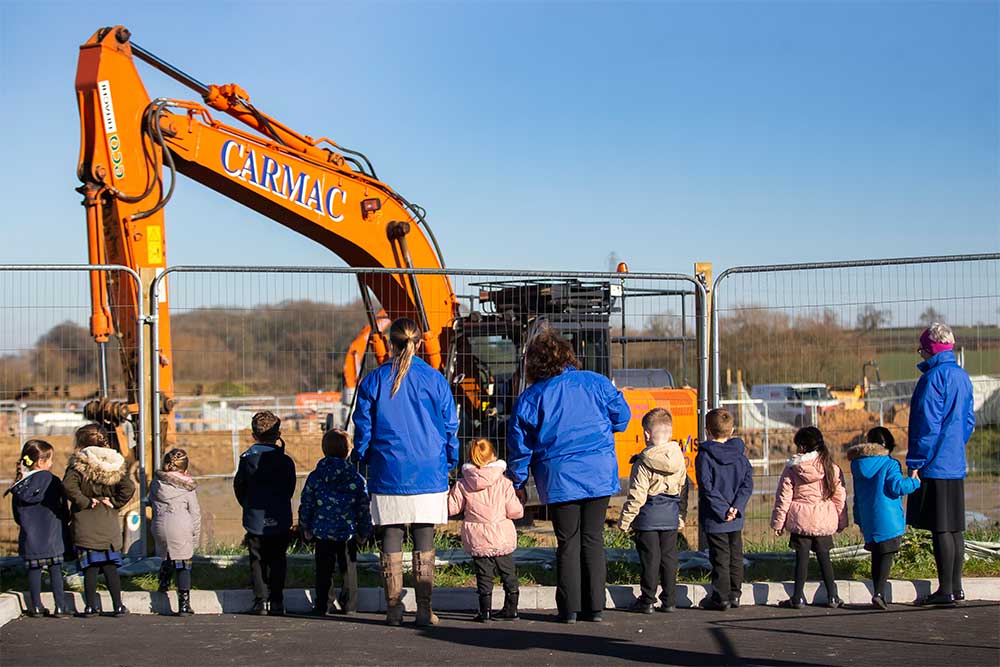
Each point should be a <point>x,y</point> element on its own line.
<point>546,135</point>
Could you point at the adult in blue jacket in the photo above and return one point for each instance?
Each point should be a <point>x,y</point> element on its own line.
<point>562,429</point>
<point>405,426</point>
<point>941,421</point>
<point>879,485</point>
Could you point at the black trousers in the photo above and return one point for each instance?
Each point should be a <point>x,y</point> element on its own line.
<point>658,557</point>
<point>725,552</point>
<point>268,566</point>
<point>488,567</point>
<point>342,558</point>
<point>581,566</point>
<point>821,546</point>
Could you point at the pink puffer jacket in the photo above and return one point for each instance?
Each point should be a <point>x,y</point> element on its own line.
<point>488,499</point>
<point>801,505</point>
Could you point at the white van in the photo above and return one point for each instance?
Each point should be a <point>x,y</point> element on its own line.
<point>797,404</point>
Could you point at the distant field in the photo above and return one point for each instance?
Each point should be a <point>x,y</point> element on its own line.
<point>903,365</point>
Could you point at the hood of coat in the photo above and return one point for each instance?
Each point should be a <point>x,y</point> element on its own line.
<point>869,459</point>
<point>335,472</point>
<point>657,457</point>
<point>33,483</point>
<point>725,453</point>
<point>177,480</point>
<point>99,465</point>
<point>478,479</point>
<point>807,467</point>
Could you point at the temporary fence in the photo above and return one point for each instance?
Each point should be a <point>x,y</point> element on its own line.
<point>834,344</point>
<point>299,339</point>
<point>50,368</point>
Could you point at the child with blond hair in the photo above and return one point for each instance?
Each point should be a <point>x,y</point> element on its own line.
<point>487,497</point>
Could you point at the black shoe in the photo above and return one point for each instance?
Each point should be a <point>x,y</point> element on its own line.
<point>713,603</point>
<point>120,611</point>
<point>879,602</point>
<point>88,612</point>
<point>937,599</point>
<point>276,609</point>
<point>734,601</point>
<point>960,595</point>
<point>640,606</point>
<point>37,612</point>
<point>163,579</point>
<point>666,608</point>
<point>593,617</point>
<point>509,611</point>
<point>258,608</point>
<point>834,603</point>
<point>318,611</point>
<point>568,618</point>
<point>485,608</point>
<point>184,603</point>
<point>792,603</point>
<point>60,612</point>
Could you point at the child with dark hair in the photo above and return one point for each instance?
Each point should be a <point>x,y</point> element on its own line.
<point>879,486</point>
<point>98,485</point>
<point>334,510</point>
<point>40,510</point>
<point>725,484</point>
<point>264,486</point>
<point>811,504</point>
<point>176,524</point>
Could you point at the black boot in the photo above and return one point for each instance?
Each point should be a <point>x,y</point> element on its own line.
<point>509,612</point>
<point>485,604</point>
<point>163,580</point>
<point>184,603</point>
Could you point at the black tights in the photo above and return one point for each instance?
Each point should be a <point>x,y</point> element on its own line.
<point>881,566</point>
<point>949,555</point>
<point>392,537</point>
<point>35,586</point>
<point>110,572</point>
<point>821,547</point>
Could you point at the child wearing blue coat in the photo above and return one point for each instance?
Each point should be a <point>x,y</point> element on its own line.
<point>879,485</point>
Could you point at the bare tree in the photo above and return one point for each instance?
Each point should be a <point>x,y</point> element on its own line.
<point>872,318</point>
<point>930,316</point>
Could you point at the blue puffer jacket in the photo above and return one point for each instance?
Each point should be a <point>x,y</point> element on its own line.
<point>725,479</point>
<point>334,503</point>
<point>941,419</point>
<point>41,510</point>
<point>408,440</point>
<point>879,485</point>
<point>563,429</point>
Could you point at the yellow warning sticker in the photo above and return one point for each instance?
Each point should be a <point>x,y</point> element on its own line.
<point>154,245</point>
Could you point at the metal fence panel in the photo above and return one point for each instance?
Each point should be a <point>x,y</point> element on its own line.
<point>852,327</point>
<point>50,366</point>
<point>294,340</point>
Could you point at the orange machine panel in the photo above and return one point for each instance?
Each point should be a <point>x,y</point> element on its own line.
<point>682,404</point>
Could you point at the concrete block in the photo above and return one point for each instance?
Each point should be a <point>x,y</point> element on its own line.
<point>546,597</point>
<point>10,608</point>
<point>455,599</point>
<point>621,597</point>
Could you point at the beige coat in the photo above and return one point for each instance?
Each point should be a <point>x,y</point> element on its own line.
<point>658,469</point>
<point>176,523</point>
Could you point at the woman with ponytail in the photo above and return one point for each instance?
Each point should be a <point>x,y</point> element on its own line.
<point>811,504</point>
<point>405,427</point>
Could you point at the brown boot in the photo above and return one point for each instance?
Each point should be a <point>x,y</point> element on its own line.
<point>423,573</point>
<point>392,578</point>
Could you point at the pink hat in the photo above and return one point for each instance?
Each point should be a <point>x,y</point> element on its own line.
<point>933,346</point>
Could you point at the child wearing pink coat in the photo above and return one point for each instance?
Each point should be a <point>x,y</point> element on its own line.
<point>489,502</point>
<point>811,504</point>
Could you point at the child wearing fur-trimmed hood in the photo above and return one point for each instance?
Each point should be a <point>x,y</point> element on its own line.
<point>487,497</point>
<point>176,524</point>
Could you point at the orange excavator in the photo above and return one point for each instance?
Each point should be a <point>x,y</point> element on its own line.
<point>326,192</point>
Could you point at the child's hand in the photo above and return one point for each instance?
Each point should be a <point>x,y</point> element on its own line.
<point>914,473</point>
<point>680,523</point>
<point>107,503</point>
<point>93,503</point>
<point>731,514</point>
<point>778,532</point>
<point>307,536</point>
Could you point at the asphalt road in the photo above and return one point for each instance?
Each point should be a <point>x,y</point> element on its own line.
<point>968,635</point>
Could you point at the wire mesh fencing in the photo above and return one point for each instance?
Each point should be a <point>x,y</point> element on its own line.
<point>834,346</point>
<point>298,340</point>
<point>53,377</point>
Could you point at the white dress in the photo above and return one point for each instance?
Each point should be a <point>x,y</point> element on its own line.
<point>388,510</point>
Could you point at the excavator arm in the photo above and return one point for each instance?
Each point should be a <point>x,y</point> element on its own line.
<point>323,191</point>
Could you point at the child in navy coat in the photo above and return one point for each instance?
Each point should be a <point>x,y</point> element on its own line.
<point>879,486</point>
<point>40,510</point>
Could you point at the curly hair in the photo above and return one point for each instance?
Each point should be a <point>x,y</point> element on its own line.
<point>547,355</point>
<point>266,426</point>
<point>176,460</point>
<point>90,435</point>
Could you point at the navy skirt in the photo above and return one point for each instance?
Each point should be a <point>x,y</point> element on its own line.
<point>938,506</point>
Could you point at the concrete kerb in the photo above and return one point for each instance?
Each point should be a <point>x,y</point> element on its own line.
<point>299,600</point>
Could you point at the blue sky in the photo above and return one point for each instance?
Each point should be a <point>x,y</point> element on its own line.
<point>546,135</point>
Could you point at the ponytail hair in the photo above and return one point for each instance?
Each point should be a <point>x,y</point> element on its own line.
<point>481,453</point>
<point>810,439</point>
<point>90,435</point>
<point>404,334</point>
<point>176,460</point>
<point>880,435</point>
<point>32,452</point>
